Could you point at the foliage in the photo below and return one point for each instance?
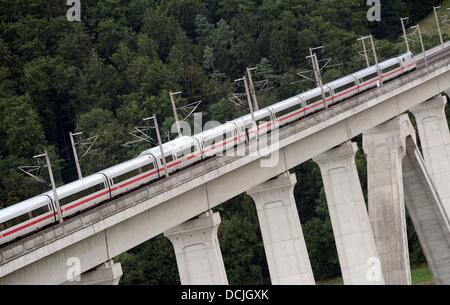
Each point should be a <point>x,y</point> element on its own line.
<point>151,263</point>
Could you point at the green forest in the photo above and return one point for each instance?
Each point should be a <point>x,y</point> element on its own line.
<point>103,75</point>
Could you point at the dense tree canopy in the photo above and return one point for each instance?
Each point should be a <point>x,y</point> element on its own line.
<point>103,75</point>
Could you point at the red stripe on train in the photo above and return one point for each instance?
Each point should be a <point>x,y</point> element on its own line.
<point>28,225</point>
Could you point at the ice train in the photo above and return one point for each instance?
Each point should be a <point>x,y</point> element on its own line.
<point>38,212</point>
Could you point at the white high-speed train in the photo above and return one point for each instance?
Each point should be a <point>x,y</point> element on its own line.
<point>40,211</point>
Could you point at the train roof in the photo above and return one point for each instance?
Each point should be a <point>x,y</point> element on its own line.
<point>128,165</point>
<point>389,62</point>
<point>169,146</point>
<point>407,54</point>
<point>77,185</point>
<point>366,71</point>
<point>218,130</point>
<point>286,103</point>
<point>342,81</point>
<point>262,113</point>
<point>23,207</point>
<point>311,93</point>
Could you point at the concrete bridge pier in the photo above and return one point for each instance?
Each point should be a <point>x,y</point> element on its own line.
<point>197,251</point>
<point>108,273</point>
<point>427,214</point>
<point>385,148</point>
<point>284,244</point>
<point>353,234</point>
<point>435,142</point>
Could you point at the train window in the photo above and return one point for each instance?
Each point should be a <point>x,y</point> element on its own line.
<point>391,68</point>
<point>217,141</point>
<point>147,168</point>
<point>344,87</point>
<point>127,175</point>
<point>68,199</point>
<point>288,110</point>
<point>314,99</point>
<point>185,152</point>
<point>369,77</point>
<point>189,150</point>
<point>230,134</point>
<point>40,211</point>
<point>169,158</point>
<point>82,194</point>
<point>262,121</point>
<point>15,221</point>
<point>2,227</point>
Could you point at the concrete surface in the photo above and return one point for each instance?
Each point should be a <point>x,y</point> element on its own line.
<point>427,213</point>
<point>435,143</point>
<point>385,148</point>
<point>197,251</point>
<point>284,244</point>
<point>353,234</point>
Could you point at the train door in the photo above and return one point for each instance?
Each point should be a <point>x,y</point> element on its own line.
<point>197,149</point>
<point>273,129</point>
<point>357,81</point>
<point>248,131</point>
<point>329,96</point>
<point>272,117</point>
<point>52,207</point>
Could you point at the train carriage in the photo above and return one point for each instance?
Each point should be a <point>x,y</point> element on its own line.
<point>313,99</point>
<point>344,88</point>
<point>218,140</point>
<point>82,194</point>
<point>289,110</point>
<point>391,69</point>
<point>368,78</point>
<point>131,174</point>
<point>178,153</point>
<point>186,151</point>
<point>25,217</point>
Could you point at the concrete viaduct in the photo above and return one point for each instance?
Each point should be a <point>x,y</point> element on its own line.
<point>371,243</point>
